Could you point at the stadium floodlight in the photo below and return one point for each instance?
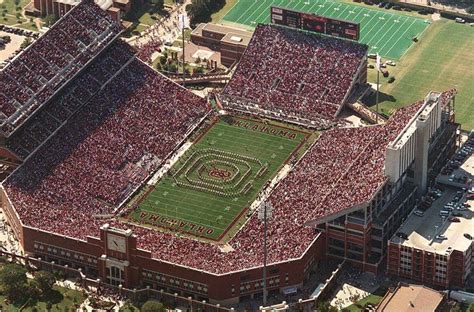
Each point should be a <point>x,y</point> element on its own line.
<point>265,212</point>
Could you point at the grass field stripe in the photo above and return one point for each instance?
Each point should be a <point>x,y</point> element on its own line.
<point>381,48</point>
<point>387,31</point>
<point>230,10</point>
<point>186,191</point>
<point>256,10</point>
<point>264,10</point>
<point>183,212</point>
<point>311,8</point>
<point>265,5</point>
<point>359,10</point>
<point>243,14</point>
<point>364,23</point>
<point>383,39</point>
<point>373,26</point>
<point>420,35</point>
<point>328,7</point>
<point>401,37</point>
<point>343,11</point>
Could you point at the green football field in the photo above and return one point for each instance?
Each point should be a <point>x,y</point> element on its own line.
<point>441,61</point>
<point>213,184</point>
<point>387,33</point>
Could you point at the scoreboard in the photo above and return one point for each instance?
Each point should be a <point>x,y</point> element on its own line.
<point>316,23</point>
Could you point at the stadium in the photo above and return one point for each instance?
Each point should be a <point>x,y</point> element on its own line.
<point>138,182</point>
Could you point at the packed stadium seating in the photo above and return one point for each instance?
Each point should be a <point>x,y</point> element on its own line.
<point>61,107</point>
<point>102,154</point>
<point>42,69</point>
<point>118,129</point>
<point>296,73</point>
<point>95,142</point>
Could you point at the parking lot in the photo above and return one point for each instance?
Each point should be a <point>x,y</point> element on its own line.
<point>444,221</point>
<point>10,49</point>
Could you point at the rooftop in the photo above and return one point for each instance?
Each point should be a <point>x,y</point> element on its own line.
<point>222,29</point>
<point>422,231</point>
<point>410,298</point>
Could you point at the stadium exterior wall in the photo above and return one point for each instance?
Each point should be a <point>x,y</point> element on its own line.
<point>93,258</point>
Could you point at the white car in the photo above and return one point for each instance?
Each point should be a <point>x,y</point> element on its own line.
<point>391,63</point>
<point>459,20</point>
<point>441,237</point>
<point>419,213</point>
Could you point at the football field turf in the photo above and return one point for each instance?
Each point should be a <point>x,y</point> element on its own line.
<point>387,33</point>
<point>213,184</point>
<point>441,61</point>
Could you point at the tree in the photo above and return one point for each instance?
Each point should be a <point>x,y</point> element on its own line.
<point>163,60</point>
<point>158,4</point>
<point>44,281</point>
<point>13,281</point>
<point>201,10</point>
<point>50,19</point>
<point>26,42</point>
<point>325,306</point>
<point>456,308</point>
<point>470,9</point>
<point>153,306</point>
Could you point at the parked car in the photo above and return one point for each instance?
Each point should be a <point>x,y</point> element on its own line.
<point>468,236</point>
<point>441,237</point>
<point>454,219</point>
<point>419,213</point>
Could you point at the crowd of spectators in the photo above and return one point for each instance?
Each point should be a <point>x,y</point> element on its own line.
<point>98,158</point>
<point>43,68</point>
<point>123,131</point>
<point>39,127</point>
<point>296,73</point>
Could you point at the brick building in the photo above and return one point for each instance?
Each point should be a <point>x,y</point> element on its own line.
<point>230,42</point>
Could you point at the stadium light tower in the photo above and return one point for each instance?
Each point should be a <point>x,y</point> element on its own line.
<point>264,213</point>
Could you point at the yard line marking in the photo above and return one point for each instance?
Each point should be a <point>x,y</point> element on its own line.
<point>230,10</point>
<point>384,29</point>
<point>395,32</point>
<point>368,32</point>
<point>256,10</point>
<point>263,11</point>
<point>244,13</point>
<point>401,36</point>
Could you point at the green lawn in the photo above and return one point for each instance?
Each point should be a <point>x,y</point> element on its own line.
<point>370,299</point>
<point>141,16</point>
<point>386,32</point>
<point>217,17</point>
<point>440,61</point>
<point>9,10</point>
<point>64,300</point>
<point>212,185</point>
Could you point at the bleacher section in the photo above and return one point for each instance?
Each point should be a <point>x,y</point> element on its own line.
<point>42,69</point>
<point>297,74</point>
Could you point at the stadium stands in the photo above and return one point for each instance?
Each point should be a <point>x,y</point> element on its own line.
<point>50,117</point>
<point>294,72</point>
<point>101,155</point>
<point>114,124</point>
<point>43,68</point>
<point>40,197</point>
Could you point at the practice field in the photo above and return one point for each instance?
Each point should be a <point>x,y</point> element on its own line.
<point>212,185</point>
<point>441,61</point>
<point>387,33</point>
